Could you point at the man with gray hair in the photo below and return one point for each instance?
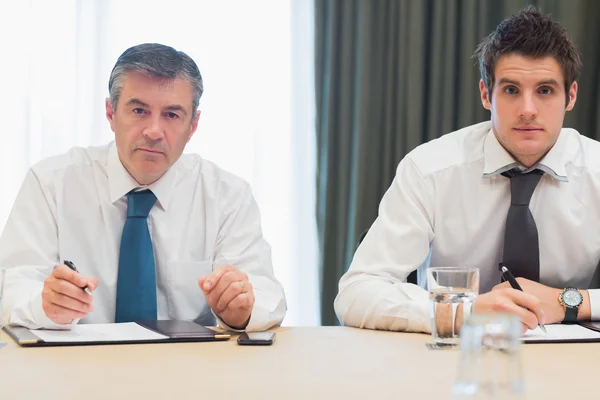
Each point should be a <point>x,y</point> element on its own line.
<point>154,234</point>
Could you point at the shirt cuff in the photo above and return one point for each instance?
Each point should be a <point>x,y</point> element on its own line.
<point>255,324</point>
<point>420,310</point>
<point>223,325</point>
<point>594,295</point>
<point>268,311</point>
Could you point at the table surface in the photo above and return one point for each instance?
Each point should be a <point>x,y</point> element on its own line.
<point>303,363</point>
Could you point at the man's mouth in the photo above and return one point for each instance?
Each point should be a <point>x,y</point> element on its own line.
<point>528,129</point>
<point>155,151</point>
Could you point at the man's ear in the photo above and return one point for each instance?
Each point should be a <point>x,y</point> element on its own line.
<point>485,96</point>
<point>194,126</point>
<point>572,96</point>
<point>110,113</point>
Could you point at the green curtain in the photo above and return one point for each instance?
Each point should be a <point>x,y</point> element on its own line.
<point>392,74</point>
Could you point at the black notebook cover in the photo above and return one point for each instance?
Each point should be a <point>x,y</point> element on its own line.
<point>182,329</point>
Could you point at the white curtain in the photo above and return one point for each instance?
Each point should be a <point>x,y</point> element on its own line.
<point>257,121</point>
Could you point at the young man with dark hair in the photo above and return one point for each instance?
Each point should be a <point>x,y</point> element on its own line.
<point>465,198</point>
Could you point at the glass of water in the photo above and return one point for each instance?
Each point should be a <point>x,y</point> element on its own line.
<point>452,291</point>
<point>490,360</point>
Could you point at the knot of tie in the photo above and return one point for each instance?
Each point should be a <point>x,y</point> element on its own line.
<point>522,185</point>
<point>140,203</point>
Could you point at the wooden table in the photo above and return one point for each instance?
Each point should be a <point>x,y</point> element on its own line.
<point>303,363</point>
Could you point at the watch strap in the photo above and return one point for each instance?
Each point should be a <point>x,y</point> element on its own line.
<point>570,315</point>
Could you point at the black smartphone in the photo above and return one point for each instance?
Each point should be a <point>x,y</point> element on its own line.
<point>256,338</point>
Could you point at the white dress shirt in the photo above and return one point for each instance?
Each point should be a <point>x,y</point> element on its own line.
<point>448,204</point>
<point>73,207</point>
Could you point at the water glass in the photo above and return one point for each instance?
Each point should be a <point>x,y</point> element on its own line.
<point>490,358</point>
<point>452,291</point>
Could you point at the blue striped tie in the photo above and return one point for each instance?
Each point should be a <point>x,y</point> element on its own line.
<point>136,284</point>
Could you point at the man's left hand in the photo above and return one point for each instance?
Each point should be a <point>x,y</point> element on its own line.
<point>229,294</point>
<point>553,311</point>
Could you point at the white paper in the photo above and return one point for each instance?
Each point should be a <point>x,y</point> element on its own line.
<point>561,332</point>
<point>120,332</point>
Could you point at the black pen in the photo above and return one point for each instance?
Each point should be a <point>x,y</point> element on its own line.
<point>72,266</point>
<point>515,285</point>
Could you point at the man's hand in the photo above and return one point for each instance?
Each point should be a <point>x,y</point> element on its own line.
<point>506,299</point>
<point>229,294</point>
<point>63,297</point>
<point>547,296</point>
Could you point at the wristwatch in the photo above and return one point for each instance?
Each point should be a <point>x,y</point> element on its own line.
<point>571,300</point>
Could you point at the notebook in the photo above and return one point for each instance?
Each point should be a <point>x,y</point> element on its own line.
<point>160,331</point>
<point>565,333</point>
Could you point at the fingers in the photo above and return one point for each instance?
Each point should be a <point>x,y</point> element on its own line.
<point>228,285</point>
<point>63,298</point>
<point>227,288</point>
<point>69,302</point>
<point>61,315</point>
<point>243,301</point>
<point>65,273</point>
<point>68,282</point>
<point>212,280</point>
<point>92,284</point>
<point>229,294</point>
<point>62,309</point>
<point>227,279</point>
<point>234,289</point>
<point>527,317</point>
<point>524,305</point>
<point>531,304</point>
<point>503,285</point>
<point>229,298</point>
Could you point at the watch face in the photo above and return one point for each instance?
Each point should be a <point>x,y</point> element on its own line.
<point>572,297</point>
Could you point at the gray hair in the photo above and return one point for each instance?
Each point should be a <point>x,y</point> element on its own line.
<point>156,61</point>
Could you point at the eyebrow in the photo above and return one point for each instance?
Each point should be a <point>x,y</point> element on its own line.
<point>172,107</point>
<point>550,82</point>
<point>137,102</point>
<point>176,107</point>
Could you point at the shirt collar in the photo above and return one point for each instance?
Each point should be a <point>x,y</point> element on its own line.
<point>497,160</point>
<point>121,182</point>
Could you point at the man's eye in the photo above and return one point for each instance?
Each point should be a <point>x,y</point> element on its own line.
<point>138,111</point>
<point>511,90</point>
<point>545,90</point>
<point>172,115</point>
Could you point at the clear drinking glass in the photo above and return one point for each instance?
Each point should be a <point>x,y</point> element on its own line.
<point>490,359</point>
<point>452,291</point>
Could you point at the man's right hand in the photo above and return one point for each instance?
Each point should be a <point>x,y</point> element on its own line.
<point>63,297</point>
<point>526,306</point>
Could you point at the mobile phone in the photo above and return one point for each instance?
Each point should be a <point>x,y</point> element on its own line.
<point>256,338</point>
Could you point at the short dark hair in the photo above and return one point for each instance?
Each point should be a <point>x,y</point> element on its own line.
<point>156,61</point>
<point>529,33</point>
